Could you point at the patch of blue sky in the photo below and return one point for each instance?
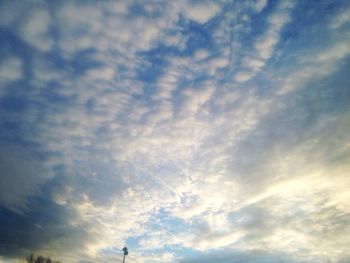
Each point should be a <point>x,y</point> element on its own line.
<point>162,222</point>
<point>197,36</point>
<point>154,67</point>
<point>152,10</point>
<point>163,219</point>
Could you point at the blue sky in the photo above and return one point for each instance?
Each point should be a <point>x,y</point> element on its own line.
<point>189,131</point>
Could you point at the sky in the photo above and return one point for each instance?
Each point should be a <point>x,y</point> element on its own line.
<point>189,131</point>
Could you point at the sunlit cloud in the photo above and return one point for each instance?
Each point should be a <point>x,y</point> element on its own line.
<point>188,131</point>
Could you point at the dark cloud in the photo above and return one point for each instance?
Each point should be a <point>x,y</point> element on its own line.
<point>44,223</point>
<point>255,219</point>
<point>21,175</point>
<point>344,260</point>
<point>31,219</point>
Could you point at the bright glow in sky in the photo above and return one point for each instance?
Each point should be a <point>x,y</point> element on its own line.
<point>189,131</point>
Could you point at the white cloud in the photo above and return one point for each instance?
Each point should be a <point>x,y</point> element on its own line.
<point>35,29</point>
<point>103,73</point>
<point>218,62</point>
<point>254,64</point>
<point>115,31</point>
<point>340,19</point>
<point>266,43</point>
<point>207,153</point>
<point>320,64</point>
<point>11,69</point>
<point>200,12</point>
<point>244,76</point>
<point>261,211</point>
<point>194,100</point>
<point>260,5</point>
<point>167,83</point>
<point>201,54</point>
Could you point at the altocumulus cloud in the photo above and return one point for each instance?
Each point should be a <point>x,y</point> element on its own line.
<point>189,131</point>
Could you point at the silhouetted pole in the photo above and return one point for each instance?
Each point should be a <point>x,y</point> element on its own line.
<point>125,249</point>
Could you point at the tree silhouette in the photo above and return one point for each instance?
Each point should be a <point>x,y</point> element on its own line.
<point>39,259</point>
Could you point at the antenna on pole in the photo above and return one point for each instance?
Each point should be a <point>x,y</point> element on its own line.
<point>125,250</point>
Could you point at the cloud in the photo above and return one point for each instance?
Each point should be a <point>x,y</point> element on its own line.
<point>188,131</point>
<point>254,225</point>
<point>244,76</point>
<point>201,54</point>
<point>228,256</point>
<point>111,23</point>
<point>98,74</point>
<point>260,5</point>
<point>21,177</point>
<point>319,66</point>
<point>39,229</point>
<point>254,64</point>
<point>266,42</point>
<point>201,12</point>
<point>11,69</point>
<point>35,29</point>
<point>340,19</point>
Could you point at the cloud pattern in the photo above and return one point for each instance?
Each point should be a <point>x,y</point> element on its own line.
<point>189,131</point>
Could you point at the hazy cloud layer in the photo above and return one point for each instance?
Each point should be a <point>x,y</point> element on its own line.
<point>189,131</point>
